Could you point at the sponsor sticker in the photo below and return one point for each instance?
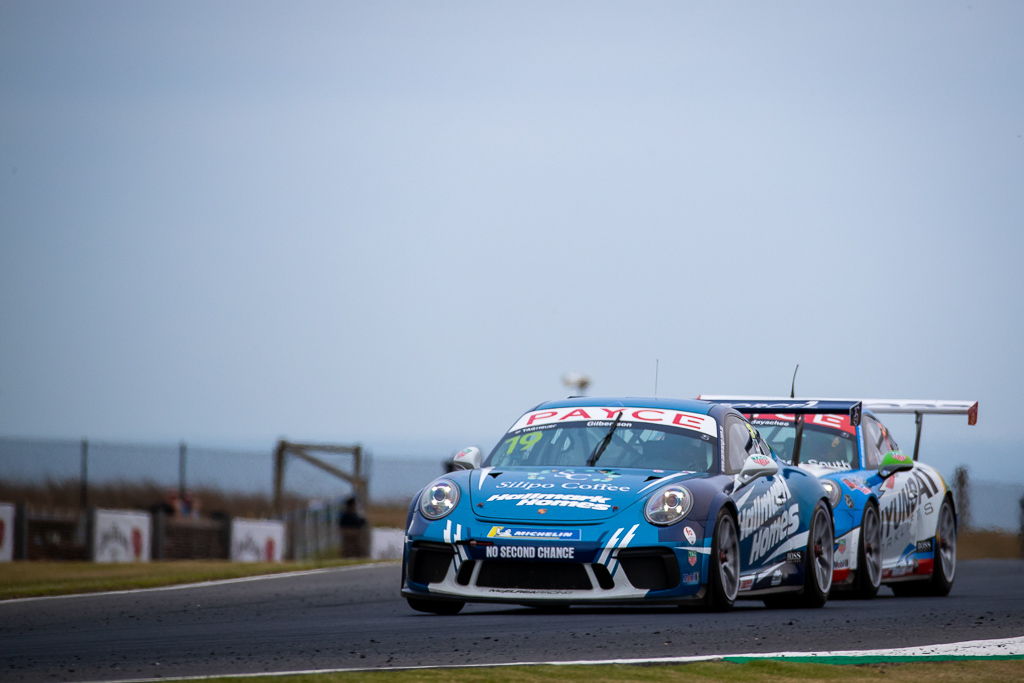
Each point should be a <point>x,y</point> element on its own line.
<point>564,500</point>
<point>527,591</point>
<point>598,475</point>
<point>692,558</point>
<point>856,485</point>
<point>746,582</point>
<point>574,475</point>
<point>535,533</point>
<point>829,464</point>
<point>795,556</point>
<point>924,546</point>
<point>690,534</point>
<point>775,532</point>
<point>670,418</point>
<point>691,578</point>
<point>755,513</point>
<point>840,423</point>
<point>901,506</point>
<point>531,552</point>
<point>568,486</point>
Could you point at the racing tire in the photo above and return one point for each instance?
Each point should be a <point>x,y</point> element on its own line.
<point>944,565</point>
<point>724,563</point>
<point>818,561</point>
<point>869,555</point>
<point>446,607</point>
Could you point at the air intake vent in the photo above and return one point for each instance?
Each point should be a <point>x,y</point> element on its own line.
<point>429,562</point>
<point>650,568</point>
<point>536,575</point>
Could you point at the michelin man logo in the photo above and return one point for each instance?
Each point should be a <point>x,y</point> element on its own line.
<point>573,475</point>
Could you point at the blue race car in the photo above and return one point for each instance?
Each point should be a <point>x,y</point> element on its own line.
<point>895,517</point>
<point>620,500</point>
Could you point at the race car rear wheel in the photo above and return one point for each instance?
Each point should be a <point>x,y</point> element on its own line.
<point>724,564</point>
<point>869,555</point>
<point>945,550</point>
<point>436,606</point>
<point>818,561</point>
<point>944,563</point>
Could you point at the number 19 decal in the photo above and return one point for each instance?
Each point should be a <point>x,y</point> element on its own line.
<point>524,441</point>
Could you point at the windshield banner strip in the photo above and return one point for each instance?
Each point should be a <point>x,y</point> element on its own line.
<point>655,416</point>
<point>755,404</point>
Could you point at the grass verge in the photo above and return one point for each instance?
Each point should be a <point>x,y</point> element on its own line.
<point>773,671</point>
<point>29,579</point>
<point>977,544</point>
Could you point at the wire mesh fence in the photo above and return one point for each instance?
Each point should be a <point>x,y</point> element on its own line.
<point>148,475</point>
<point>70,473</point>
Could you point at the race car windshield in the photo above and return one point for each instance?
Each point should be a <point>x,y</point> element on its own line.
<point>824,445</point>
<point>631,444</point>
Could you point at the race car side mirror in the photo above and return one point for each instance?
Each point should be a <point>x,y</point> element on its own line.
<point>469,458</point>
<point>893,462</point>
<point>755,466</point>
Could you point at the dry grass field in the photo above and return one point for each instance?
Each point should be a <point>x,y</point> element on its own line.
<point>65,495</point>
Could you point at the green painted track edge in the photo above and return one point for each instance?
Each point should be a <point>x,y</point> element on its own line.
<point>871,659</point>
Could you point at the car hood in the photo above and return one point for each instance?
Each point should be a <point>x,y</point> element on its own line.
<point>581,494</point>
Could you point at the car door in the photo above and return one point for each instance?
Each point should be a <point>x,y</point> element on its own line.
<point>899,498</point>
<point>767,509</point>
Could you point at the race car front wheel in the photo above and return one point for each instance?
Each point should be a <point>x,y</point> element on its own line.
<point>724,564</point>
<point>818,561</point>
<point>869,555</point>
<point>436,606</point>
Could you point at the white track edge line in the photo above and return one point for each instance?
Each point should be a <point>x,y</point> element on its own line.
<point>202,584</point>
<point>1015,644</point>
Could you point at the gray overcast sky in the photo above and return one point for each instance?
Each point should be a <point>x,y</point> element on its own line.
<point>400,222</point>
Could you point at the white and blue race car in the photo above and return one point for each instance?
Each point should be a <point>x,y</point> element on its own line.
<point>620,500</point>
<point>895,517</point>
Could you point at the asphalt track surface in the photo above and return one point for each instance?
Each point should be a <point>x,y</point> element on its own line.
<point>354,618</point>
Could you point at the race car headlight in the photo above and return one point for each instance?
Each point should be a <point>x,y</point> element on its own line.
<point>833,491</point>
<point>668,505</point>
<point>438,499</point>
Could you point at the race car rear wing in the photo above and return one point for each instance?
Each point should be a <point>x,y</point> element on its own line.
<point>799,406</point>
<point>917,407</point>
<point>791,406</point>
<point>921,406</point>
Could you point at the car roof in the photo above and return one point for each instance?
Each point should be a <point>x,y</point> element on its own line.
<point>687,405</point>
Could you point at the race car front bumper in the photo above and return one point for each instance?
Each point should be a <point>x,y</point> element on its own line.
<point>606,567</point>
